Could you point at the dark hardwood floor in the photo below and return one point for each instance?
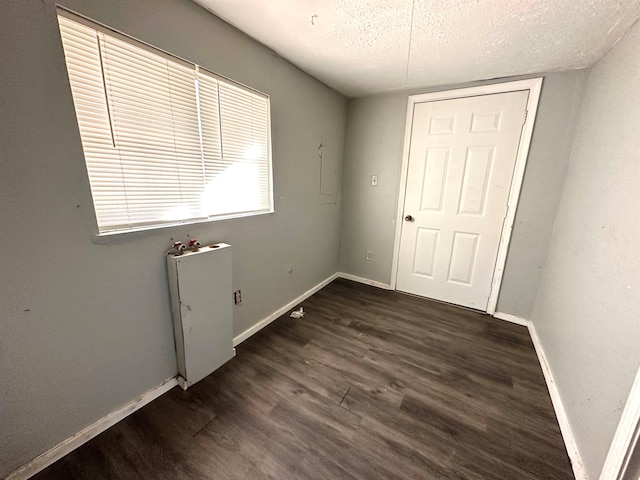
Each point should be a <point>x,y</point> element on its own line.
<point>371,384</point>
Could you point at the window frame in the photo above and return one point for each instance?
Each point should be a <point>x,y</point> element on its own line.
<point>137,228</point>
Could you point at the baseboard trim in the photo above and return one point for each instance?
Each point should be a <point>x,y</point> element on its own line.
<point>366,281</point>
<point>561,414</point>
<point>67,446</point>
<point>511,318</point>
<point>281,311</point>
<point>626,440</point>
<point>55,453</point>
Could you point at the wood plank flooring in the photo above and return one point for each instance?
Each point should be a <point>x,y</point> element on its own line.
<point>370,384</point>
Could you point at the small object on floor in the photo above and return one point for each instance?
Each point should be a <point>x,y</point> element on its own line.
<point>297,313</point>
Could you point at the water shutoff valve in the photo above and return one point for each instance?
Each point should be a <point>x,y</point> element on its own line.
<point>180,247</point>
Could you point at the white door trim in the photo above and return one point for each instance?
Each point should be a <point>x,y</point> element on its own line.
<point>626,438</point>
<point>534,85</point>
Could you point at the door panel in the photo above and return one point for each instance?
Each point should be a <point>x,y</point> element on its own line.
<point>426,249</point>
<point>475,184</point>
<point>435,175</point>
<point>461,161</point>
<point>463,257</point>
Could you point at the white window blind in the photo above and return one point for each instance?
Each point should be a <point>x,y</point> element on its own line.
<point>164,141</point>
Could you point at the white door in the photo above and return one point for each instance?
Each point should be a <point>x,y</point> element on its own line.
<point>461,162</point>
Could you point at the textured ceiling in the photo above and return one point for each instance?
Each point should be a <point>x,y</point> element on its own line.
<point>361,47</point>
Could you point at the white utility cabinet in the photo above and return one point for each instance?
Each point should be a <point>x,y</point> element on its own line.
<point>202,309</point>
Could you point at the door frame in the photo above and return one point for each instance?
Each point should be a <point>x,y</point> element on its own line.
<point>534,85</point>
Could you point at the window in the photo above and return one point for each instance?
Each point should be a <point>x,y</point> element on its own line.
<point>165,142</point>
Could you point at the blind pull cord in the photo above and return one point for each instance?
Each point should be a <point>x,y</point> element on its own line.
<point>104,87</point>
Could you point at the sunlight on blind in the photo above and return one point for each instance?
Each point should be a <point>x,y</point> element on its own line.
<point>164,141</point>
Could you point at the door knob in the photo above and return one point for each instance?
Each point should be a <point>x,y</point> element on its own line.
<point>409,218</point>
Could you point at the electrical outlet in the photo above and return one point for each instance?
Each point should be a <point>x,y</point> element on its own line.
<point>237,297</point>
<point>374,180</point>
<point>369,256</point>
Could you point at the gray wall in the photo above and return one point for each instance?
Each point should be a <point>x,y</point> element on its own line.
<point>587,312</point>
<point>373,146</point>
<point>374,143</point>
<point>87,328</point>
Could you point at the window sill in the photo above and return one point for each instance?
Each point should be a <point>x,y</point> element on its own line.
<point>124,235</point>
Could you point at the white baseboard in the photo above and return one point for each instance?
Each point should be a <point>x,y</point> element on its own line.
<point>512,318</point>
<point>281,311</point>
<point>67,446</point>
<point>55,453</point>
<point>561,414</point>
<point>626,438</point>
<point>366,281</point>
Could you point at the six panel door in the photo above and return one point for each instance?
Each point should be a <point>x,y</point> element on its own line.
<point>461,162</point>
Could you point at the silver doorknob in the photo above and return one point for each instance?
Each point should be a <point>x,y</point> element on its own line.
<point>409,218</point>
